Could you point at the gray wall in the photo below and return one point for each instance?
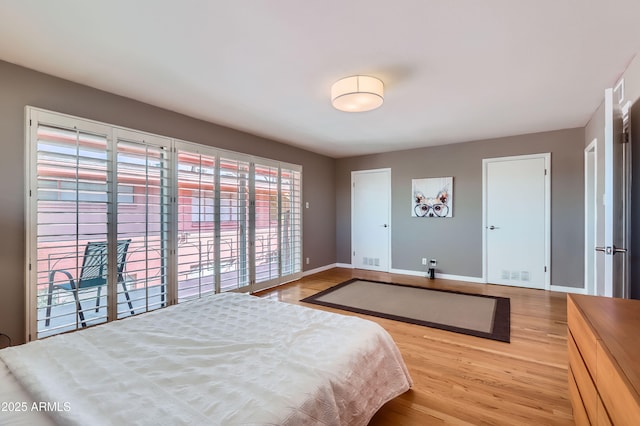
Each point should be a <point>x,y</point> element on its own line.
<point>457,242</point>
<point>20,87</point>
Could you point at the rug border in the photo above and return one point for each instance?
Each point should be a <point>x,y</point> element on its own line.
<point>501,317</point>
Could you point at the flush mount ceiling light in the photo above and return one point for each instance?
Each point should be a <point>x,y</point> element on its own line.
<point>357,93</point>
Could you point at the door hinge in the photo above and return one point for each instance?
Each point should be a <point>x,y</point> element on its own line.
<point>545,269</point>
<point>545,172</point>
<point>354,253</point>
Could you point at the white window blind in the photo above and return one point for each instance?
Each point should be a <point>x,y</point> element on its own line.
<point>267,222</point>
<point>196,225</point>
<point>291,221</point>
<point>234,229</point>
<point>72,181</point>
<point>143,162</point>
<point>120,222</point>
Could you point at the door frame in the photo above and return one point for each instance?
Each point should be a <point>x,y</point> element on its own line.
<point>547,211</point>
<point>387,191</point>
<point>590,217</point>
<point>616,114</point>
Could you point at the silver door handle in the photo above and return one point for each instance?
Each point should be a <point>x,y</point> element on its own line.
<point>493,227</point>
<point>611,250</point>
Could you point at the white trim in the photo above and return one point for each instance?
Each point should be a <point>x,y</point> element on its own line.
<point>563,289</point>
<point>478,280</point>
<point>547,210</point>
<point>408,272</point>
<point>388,190</point>
<point>322,269</point>
<point>589,251</point>
<point>30,219</point>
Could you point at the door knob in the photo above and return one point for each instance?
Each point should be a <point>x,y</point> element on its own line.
<point>611,250</point>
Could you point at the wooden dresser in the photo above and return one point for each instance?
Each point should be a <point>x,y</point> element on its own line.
<point>604,360</point>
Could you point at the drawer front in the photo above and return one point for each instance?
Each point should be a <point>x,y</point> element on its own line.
<point>584,337</point>
<point>583,380</point>
<point>620,399</point>
<point>603,417</point>
<point>579,413</point>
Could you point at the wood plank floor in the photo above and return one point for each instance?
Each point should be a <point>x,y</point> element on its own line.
<point>461,379</point>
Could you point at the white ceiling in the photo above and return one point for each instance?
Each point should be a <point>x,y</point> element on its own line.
<point>454,70</point>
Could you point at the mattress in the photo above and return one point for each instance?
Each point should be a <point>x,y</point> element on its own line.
<point>224,359</point>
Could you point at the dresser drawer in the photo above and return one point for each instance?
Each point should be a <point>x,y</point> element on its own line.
<point>603,416</point>
<point>583,379</point>
<point>579,413</point>
<point>583,336</point>
<point>619,397</point>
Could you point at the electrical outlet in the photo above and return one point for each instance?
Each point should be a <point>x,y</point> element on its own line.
<point>433,263</point>
<point>424,260</point>
<point>307,260</point>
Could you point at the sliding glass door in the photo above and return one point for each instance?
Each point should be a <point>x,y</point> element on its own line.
<point>196,253</point>
<point>122,222</point>
<point>143,178</point>
<point>70,191</point>
<point>233,223</point>
<point>278,223</point>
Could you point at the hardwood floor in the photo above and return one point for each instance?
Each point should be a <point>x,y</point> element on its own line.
<point>460,379</point>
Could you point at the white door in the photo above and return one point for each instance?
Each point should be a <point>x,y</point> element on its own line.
<point>370,219</point>
<point>616,194</point>
<point>516,225</point>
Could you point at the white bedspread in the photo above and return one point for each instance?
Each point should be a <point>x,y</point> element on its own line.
<point>227,359</point>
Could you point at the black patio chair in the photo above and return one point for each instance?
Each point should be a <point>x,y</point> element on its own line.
<point>93,274</point>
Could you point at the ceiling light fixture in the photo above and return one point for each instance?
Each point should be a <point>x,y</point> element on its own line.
<point>357,93</point>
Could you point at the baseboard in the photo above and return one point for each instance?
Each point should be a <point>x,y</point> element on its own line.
<point>322,268</point>
<point>438,275</point>
<point>564,289</point>
<point>478,280</point>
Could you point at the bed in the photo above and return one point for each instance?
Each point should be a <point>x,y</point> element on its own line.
<point>224,359</point>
